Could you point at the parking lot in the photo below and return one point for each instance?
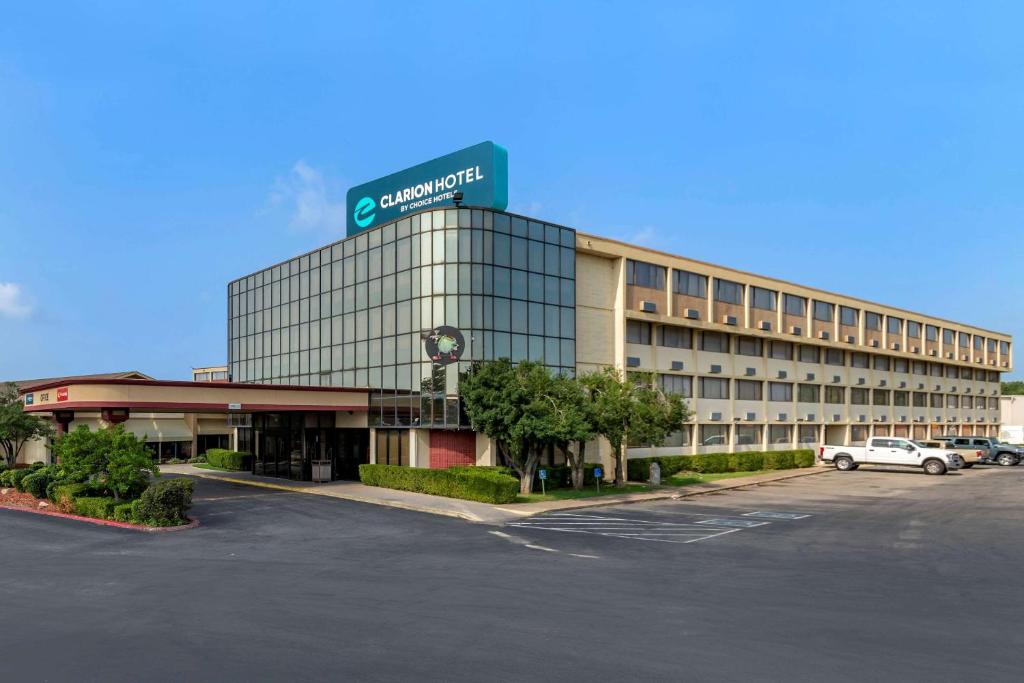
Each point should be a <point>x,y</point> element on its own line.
<point>837,576</point>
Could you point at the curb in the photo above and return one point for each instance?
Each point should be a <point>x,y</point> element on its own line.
<point>103,522</point>
<point>467,516</point>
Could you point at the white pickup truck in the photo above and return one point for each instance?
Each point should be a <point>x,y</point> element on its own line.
<point>884,450</point>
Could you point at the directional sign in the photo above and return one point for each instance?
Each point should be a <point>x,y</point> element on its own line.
<point>543,474</point>
<point>598,472</point>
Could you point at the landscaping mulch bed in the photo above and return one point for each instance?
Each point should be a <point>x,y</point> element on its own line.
<point>14,499</point>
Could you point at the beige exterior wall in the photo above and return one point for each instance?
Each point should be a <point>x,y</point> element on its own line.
<point>605,302</point>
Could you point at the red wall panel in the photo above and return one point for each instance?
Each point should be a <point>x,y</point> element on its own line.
<point>448,448</point>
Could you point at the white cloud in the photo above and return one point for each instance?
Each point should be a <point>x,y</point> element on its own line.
<point>12,301</point>
<point>305,191</point>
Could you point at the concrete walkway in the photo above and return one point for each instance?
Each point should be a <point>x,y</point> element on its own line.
<point>472,510</point>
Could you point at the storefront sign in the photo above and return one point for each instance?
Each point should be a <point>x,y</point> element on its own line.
<point>479,172</point>
<point>62,394</point>
<point>444,344</point>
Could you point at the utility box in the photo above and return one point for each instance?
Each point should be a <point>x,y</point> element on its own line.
<point>655,475</point>
<point>321,471</point>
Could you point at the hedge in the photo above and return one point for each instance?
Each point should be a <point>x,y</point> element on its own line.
<point>17,478</point>
<point>229,460</point>
<point>36,483</point>
<point>483,485</point>
<point>638,469</point>
<point>64,496</point>
<point>99,507</point>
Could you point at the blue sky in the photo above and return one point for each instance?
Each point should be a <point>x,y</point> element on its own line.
<point>148,156</point>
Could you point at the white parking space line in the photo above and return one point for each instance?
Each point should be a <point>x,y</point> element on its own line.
<point>628,528</point>
<point>733,522</point>
<point>768,514</point>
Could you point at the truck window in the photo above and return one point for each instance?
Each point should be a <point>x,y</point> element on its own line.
<point>961,442</point>
<point>980,442</point>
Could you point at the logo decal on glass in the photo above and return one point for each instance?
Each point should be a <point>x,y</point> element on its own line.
<point>444,344</point>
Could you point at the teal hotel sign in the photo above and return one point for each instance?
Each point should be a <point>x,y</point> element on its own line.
<point>479,172</point>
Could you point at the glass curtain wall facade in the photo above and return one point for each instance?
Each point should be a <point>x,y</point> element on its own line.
<point>354,312</point>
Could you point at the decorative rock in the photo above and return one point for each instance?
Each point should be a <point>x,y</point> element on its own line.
<point>655,476</point>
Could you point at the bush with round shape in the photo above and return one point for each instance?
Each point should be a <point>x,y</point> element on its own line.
<point>164,503</point>
<point>36,483</point>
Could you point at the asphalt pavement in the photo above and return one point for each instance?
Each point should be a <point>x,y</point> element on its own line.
<point>840,577</point>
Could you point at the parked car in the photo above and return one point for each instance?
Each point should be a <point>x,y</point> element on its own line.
<point>882,450</point>
<point>991,451</point>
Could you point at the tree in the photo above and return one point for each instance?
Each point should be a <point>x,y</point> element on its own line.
<point>513,405</point>
<point>633,408</point>
<point>16,426</point>
<point>110,457</point>
<point>576,423</point>
<point>1015,388</point>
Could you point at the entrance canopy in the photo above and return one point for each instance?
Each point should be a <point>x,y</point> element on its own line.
<point>119,397</point>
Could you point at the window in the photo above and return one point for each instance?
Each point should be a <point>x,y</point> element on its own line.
<point>714,387</point>
<point>780,350</point>
<point>858,434</point>
<point>794,305</point>
<point>881,363</point>
<point>858,360</point>
<point>858,397</point>
<point>1004,348</point>
<point>680,437</point>
<point>966,373</point>
<point>714,341</point>
<point>748,434</point>
<point>762,298</point>
<point>847,316</point>
<point>675,337</point>
<point>978,341</point>
<point>920,367</point>
<point>935,370</point>
<point>872,321</point>
<point>835,357</point>
<point>780,391</point>
<point>993,403</point>
<point>967,402</point>
<point>808,393</point>
<point>920,399</point>
<point>676,384</point>
<point>728,292</point>
<point>952,401</point>
<point>991,345</point>
<point>748,390</point>
<point>780,434</point>
<point>638,332</point>
<point>936,400</point>
<point>690,284</point>
<point>947,337</point>
<point>640,274</point>
<point>965,340</point>
<point>749,346</point>
<point>931,333</point>
<point>900,398</point>
<point>880,397</point>
<point>835,395</point>
<point>810,354</point>
<point>807,434</point>
<point>952,372</point>
<point>894,325</point>
<point>913,329</point>
<point>900,365</point>
<point>714,435</point>
<point>823,311</point>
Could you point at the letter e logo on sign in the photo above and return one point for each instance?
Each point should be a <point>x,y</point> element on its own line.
<point>62,394</point>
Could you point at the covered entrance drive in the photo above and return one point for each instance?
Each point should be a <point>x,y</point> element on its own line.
<point>287,444</point>
<point>286,428</point>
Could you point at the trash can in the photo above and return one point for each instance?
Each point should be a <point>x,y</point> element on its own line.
<point>321,471</point>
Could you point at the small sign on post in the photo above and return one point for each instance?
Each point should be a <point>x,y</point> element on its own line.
<point>543,474</point>
<point>598,472</point>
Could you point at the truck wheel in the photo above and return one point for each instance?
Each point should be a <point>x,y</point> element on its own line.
<point>844,463</point>
<point>1006,459</point>
<point>934,467</point>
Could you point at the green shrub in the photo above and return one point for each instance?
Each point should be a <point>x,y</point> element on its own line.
<point>164,503</point>
<point>803,458</point>
<point>480,484</point>
<point>99,507</point>
<point>123,511</point>
<point>197,460</point>
<point>779,460</point>
<point>229,460</point>
<point>36,482</point>
<point>18,478</point>
<point>7,479</point>
<point>746,462</point>
<point>37,465</point>
<point>63,496</point>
